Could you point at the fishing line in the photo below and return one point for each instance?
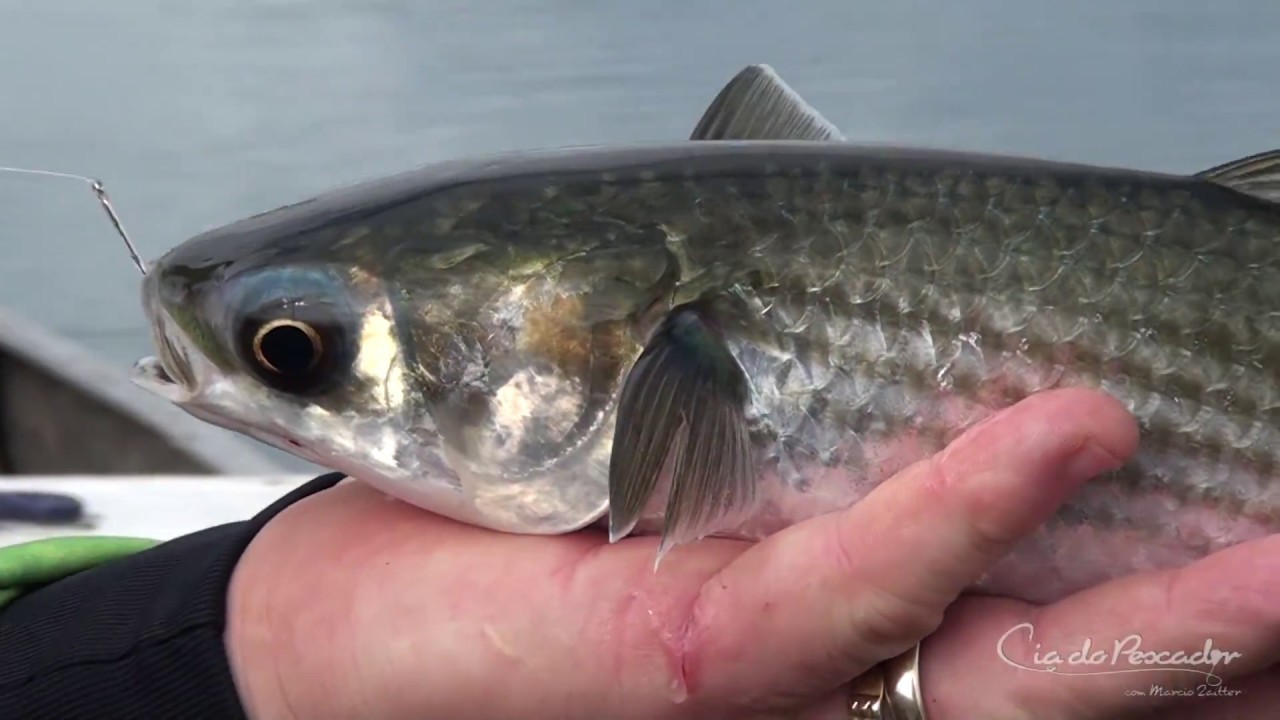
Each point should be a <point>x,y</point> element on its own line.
<point>99,192</point>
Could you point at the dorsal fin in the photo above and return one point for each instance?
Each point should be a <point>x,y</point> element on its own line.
<point>758,105</point>
<point>1257,175</point>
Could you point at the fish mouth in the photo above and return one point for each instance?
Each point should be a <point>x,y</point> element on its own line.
<point>170,373</point>
<point>150,374</point>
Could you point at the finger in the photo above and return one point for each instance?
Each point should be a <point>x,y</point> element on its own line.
<point>819,603</point>
<point>1225,602</point>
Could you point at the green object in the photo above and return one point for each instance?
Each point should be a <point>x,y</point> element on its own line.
<point>31,564</point>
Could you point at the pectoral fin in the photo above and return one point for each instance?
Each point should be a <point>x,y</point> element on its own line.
<point>682,408</point>
<point>758,105</point>
<point>1256,175</point>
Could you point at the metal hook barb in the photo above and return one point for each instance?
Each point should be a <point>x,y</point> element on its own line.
<point>101,193</point>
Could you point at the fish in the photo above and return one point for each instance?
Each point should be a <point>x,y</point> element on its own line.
<point>728,334</point>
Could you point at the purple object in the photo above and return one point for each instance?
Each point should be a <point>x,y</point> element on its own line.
<point>39,507</point>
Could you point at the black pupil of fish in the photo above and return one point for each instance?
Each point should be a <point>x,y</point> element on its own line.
<point>289,349</point>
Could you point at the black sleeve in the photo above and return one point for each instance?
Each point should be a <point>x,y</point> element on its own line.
<point>134,638</point>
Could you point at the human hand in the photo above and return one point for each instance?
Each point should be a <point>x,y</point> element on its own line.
<point>349,604</point>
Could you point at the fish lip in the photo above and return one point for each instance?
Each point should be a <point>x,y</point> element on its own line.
<point>170,372</point>
<point>150,374</point>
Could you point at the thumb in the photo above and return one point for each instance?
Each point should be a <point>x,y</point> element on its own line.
<point>828,598</point>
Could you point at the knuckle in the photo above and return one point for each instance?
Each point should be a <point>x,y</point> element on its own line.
<point>844,546</point>
<point>885,622</point>
<point>878,616</point>
<point>991,526</point>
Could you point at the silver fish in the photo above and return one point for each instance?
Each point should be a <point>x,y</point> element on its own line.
<point>730,334</point>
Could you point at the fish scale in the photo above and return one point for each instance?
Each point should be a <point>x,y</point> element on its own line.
<point>1025,292</point>
<point>732,334</point>
<point>1021,290</point>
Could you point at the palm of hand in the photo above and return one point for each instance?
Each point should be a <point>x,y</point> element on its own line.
<point>350,604</point>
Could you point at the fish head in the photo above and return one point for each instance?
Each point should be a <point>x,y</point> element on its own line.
<point>280,352</point>
<point>462,372</point>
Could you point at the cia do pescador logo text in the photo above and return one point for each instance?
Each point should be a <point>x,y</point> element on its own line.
<point>1124,655</point>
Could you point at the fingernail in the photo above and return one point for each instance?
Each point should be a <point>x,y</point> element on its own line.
<point>1090,461</point>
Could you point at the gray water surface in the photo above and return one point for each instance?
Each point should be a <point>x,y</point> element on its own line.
<point>196,114</point>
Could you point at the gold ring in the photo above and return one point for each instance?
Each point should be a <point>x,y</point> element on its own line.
<point>889,691</point>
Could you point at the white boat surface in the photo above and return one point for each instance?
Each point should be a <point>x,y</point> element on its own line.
<point>162,507</point>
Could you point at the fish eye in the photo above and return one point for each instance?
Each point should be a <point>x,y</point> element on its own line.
<point>293,355</point>
<point>291,329</point>
<point>287,347</point>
